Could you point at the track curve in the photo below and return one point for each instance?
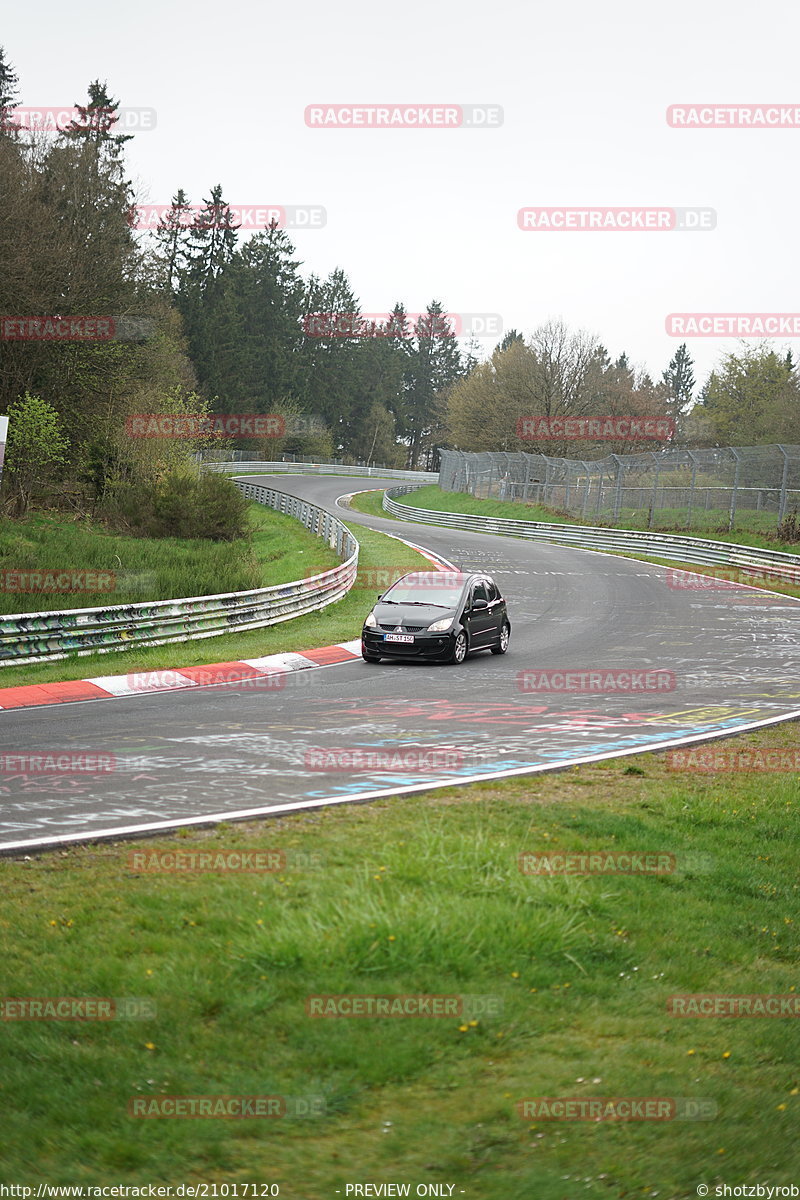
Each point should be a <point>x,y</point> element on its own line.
<point>225,752</point>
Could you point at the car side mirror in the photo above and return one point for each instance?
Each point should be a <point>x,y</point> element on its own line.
<point>380,595</point>
<point>476,604</point>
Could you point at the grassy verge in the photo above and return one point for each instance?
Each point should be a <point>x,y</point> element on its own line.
<point>372,503</point>
<point>142,569</point>
<point>338,622</point>
<point>747,532</point>
<point>423,895</point>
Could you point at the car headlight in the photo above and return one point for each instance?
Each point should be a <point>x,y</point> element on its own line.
<point>370,622</point>
<point>440,626</point>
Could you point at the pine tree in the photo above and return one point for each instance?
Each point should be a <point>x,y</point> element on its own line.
<point>172,238</point>
<point>96,121</point>
<point>509,338</point>
<point>213,239</point>
<point>680,382</point>
<point>256,305</point>
<point>8,97</point>
<point>434,363</point>
<point>329,358</point>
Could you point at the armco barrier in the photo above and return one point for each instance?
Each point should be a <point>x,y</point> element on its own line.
<point>291,468</point>
<point>750,560</point>
<point>41,637</point>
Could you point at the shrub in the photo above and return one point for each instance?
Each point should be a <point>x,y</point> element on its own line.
<point>789,529</point>
<point>182,504</point>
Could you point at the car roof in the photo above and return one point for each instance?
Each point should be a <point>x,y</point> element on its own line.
<point>443,578</point>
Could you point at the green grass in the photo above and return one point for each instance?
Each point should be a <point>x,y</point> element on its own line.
<point>422,895</point>
<point>338,622</point>
<point>752,529</point>
<point>142,569</point>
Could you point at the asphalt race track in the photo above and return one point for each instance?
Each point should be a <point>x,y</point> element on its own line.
<point>226,750</point>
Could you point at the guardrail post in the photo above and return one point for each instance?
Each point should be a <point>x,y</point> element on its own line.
<point>586,488</point>
<point>691,490</point>
<point>527,458</point>
<point>654,498</point>
<point>618,488</point>
<point>784,481</point>
<point>732,515</point>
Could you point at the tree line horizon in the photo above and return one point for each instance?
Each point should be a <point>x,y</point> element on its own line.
<point>231,331</point>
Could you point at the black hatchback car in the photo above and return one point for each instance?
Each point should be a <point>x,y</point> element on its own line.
<point>441,616</point>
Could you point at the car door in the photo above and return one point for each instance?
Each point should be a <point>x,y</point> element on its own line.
<point>497,607</point>
<point>479,621</point>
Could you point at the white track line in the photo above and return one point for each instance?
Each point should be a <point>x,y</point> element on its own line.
<point>245,814</point>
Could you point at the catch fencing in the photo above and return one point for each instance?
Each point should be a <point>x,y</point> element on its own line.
<point>45,636</point>
<point>695,488</point>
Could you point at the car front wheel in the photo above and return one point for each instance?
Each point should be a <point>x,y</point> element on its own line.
<point>459,651</point>
<point>370,658</point>
<point>502,645</point>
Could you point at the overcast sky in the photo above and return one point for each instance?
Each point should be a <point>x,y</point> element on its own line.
<point>416,214</point>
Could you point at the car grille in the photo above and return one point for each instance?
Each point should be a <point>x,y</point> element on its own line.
<point>405,628</point>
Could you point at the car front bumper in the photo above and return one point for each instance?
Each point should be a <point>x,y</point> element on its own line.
<point>434,646</point>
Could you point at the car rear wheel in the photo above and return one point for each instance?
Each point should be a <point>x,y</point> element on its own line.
<point>502,646</point>
<point>459,651</point>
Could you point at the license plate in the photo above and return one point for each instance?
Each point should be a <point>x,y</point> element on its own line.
<point>398,637</point>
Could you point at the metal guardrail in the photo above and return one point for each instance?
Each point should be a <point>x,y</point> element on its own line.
<point>43,637</point>
<point>749,560</point>
<point>290,468</point>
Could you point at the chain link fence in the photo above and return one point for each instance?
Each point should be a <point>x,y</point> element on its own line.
<point>750,486</point>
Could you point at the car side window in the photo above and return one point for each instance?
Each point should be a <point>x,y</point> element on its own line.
<point>491,588</point>
<point>479,593</point>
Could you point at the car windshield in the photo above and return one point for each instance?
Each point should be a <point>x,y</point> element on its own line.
<point>440,597</point>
